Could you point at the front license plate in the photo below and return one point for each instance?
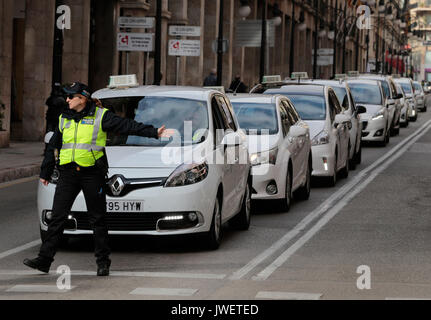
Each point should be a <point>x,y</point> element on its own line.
<point>124,206</point>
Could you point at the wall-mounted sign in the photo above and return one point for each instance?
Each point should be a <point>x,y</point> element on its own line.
<point>127,41</point>
<point>136,22</point>
<point>185,31</point>
<point>184,48</point>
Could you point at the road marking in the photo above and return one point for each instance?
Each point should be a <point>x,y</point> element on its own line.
<point>38,289</point>
<point>264,274</point>
<point>287,295</point>
<point>164,292</point>
<point>20,248</point>
<point>321,209</point>
<point>18,181</point>
<point>391,298</point>
<point>177,275</point>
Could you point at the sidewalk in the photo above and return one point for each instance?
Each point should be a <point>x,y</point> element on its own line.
<point>20,160</point>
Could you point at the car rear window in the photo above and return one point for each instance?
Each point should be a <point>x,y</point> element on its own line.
<point>188,117</point>
<point>406,87</point>
<point>309,107</point>
<point>256,117</point>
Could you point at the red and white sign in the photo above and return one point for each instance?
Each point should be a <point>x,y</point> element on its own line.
<point>191,48</point>
<point>127,41</point>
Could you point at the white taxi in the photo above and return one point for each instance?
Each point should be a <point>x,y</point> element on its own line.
<point>191,183</point>
<point>279,146</point>
<point>319,107</point>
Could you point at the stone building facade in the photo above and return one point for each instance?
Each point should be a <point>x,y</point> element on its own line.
<point>90,51</point>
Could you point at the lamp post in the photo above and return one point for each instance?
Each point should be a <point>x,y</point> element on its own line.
<point>263,42</point>
<point>158,46</point>
<point>334,62</point>
<point>220,45</point>
<point>316,19</point>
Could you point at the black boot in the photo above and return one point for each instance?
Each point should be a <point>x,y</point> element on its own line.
<point>103,268</point>
<point>39,263</point>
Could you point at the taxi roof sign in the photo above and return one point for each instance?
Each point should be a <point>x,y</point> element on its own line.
<point>271,78</point>
<point>340,76</point>
<point>221,88</point>
<point>299,75</point>
<point>123,81</point>
<point>353,73</point>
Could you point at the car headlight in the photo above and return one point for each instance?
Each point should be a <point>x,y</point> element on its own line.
<point>264,157</point>
<point>380,114</point>
<point>321,138</point>
<point>187,174</point>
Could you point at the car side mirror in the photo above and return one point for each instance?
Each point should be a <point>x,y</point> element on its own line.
<point>391,101</point>
<point>361,109</point>
<point>340,118</point>
<point>399,96</point>
<point>48,136</point>
<point>297,131</point>
<point>232,139</point>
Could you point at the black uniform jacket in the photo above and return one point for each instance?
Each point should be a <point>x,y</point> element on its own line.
<point>110,123</point>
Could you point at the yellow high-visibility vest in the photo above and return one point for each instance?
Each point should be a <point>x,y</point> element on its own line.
<point>83,141</point>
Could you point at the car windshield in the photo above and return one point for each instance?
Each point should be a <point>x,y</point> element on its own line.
<point>417,87</point>
<point>188,117</point>
<point>365,93</point>
<point>406,87</point>
<point>308,107</point>
<point>258,118</point>
<point>341,94</point>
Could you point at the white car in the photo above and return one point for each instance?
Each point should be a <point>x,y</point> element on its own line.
<point>279,146</point>
<point>392,100</point>
<point>376,121</point>
<point>406,108</point>
<point>187,184</point>
<point>342,90</point>
<point>407,85</point>
<point>319,107</point>
<point>420,96</point>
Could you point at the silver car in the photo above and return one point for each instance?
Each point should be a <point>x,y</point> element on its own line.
<point>407,85</point>
<point>420,96</point>
<point>406,109</point>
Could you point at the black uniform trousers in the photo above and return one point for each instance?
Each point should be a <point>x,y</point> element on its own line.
<point>72,180</point>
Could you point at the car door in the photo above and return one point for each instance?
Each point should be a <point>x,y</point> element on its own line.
<point>356,123</point>
<point>389,101</point>
<point>233,181</point>
<point>341,131</point>
<point>287,146</point>
<point>301,143</point>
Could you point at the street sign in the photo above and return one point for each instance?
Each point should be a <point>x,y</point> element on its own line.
<point>323,60</point>
<point>190,48</point>
<point>324,51</point>
<point>136,22</point>
<point>184,31</point>
<point>127,41</point>
<point>249,33</point>
<point>225,45</point>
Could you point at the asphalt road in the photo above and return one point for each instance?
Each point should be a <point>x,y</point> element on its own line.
<point>376,220</point>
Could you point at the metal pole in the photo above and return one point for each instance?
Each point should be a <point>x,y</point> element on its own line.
<point>344,38</point>
<point>263,42</point>
<point>316,42</point>
<point>367,40</point>
<point>357,51</point>
<point>334,62</point>
<point>177,71</point>
<point>292,39</point>
<point>377,41</point>
<point>392,52</point>
<point>158,45</point>
<point>384,51</point>
<point>57,52</point>
<point>220,45</point>
<point>127,62</point>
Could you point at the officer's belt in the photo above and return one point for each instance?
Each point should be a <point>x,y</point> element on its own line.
<point>84,146</point>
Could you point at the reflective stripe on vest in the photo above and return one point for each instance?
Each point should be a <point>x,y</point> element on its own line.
<point>83,141</point>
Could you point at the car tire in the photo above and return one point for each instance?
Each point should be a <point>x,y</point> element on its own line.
<point>213,237</point>
<point>332,180</point>
<point>358,156</point>
<point>344,173</point>
<point>242,220</point>
<point>287,200</point>
<point>303,192</point>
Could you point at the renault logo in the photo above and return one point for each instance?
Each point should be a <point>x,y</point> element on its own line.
<point>116,184</point>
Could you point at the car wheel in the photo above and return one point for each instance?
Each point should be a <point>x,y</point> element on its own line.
<point>333,179</point>
<point>303,192</point>
<point>358,156</point>
<point>345,171</point>
<point>242,220</point>
<point>286,201</point>
<point>213,237</point>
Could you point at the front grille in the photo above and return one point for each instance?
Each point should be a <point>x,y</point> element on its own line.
<point>122,221</point>
<point>364,125</point>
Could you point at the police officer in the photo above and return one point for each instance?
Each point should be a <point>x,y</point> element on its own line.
<point>81,137</point>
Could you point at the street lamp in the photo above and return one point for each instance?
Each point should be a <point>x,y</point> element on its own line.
<point>277,15</point>
<point>245,10</point>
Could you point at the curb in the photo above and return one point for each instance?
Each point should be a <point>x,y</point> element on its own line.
<point>10,174</point>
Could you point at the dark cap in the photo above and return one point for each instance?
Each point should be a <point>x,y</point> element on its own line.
<point>77,88</point>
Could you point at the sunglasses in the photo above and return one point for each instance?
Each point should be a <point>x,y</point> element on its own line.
<point>72,96</point>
